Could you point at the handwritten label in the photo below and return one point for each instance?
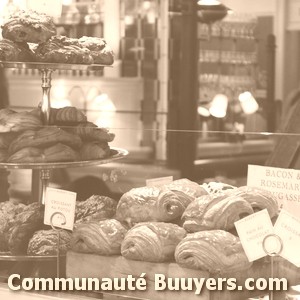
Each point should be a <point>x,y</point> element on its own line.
<point>284,184</point>
<point>287,227</point>
<point>159,181</point>
<point>61,205</point>
<point>252,230</point>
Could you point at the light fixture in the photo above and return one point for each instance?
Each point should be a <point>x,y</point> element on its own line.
<point>218,108</point>
<point>203,110</point>
<point>210,11</point>
<point>248,103</point>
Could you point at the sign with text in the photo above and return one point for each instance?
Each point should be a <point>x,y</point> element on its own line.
<point>159,181</point>
<point>284,184</point>
<point>252,230</point>
<point>60,206</point>
<point>287,227</point>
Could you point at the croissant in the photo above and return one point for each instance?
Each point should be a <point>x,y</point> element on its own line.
<point>90,132</point>
<point>149,204</point>
<point>208,212</point>
<point>94,150</point>
<point>6,139</point>
<point>215,251</point>
<point>27,155</point>
<point>103,238</point>
<point>13,121</point>
<point>152,241</point>
<point>258,198</point>
<point>66,115</point>
<point>44,138</point>
<point>60,152</point>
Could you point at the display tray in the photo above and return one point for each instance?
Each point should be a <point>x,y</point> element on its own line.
<point>95,266</point>
<point>51,66</point>
<point>116,153</point>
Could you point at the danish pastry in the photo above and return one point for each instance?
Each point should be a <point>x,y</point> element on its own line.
<point>100,51</point>
<point>28,26</point>
<point>152,241</point>
<point>61,49</point>
<point>102,238</point>
<point>215,251</point>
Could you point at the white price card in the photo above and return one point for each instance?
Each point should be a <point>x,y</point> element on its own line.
<point>50,7</point>
<point>287,228</point>
<point>252,230</point>
<point>159,181</point>
<point>284,184</point>
<point>60,207</point>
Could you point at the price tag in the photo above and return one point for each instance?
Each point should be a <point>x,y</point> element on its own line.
<point>252,230</point>
<point>284,184</point>
<point>287,227</point>
<point>159,181</point>
<point>51,8</point>
<point>60,203</point>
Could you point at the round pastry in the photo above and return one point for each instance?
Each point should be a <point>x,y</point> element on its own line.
<point>61,49</point>
<point>44,138</point>
<point>11,51</point>
<point>94,150</point>
<point>100,51</point>
<point>44,242</point>
<point>28,26</point>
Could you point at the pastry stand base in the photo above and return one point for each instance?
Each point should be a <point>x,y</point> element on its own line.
<point>89,265</point>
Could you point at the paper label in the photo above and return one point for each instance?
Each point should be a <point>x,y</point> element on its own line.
<point>60,206</point>
<point>252,230</point>
<point>287,227</point>
<point>159,181</point>
<point>284,184</point>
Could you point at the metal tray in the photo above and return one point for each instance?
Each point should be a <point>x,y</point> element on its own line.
<point>51,66</point>
<point>116,153</point>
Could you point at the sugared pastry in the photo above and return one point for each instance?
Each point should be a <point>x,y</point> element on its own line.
<point>94,150</point>
<point>95,208</point>
<point>61,49</point>
<point>44,138</point>
<point>28,26</point>
<point>149,204</point>
<point>207,213</point>
<point>45,242</point>
<point>102,238</point>
<point>18,121</point>
<point>215,251</point>
<point>100,51</point>
<point>152,241</point>
<point>67,115</point>
<point>11,51</point>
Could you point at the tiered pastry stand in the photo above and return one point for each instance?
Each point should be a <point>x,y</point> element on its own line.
<point>40,266</point>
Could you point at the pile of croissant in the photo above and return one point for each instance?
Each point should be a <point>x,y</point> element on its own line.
<point>69,137</point>
<point>183,221</point>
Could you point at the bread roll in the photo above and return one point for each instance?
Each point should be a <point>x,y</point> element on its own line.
<point>152,241</point>
<point>215,251</point>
